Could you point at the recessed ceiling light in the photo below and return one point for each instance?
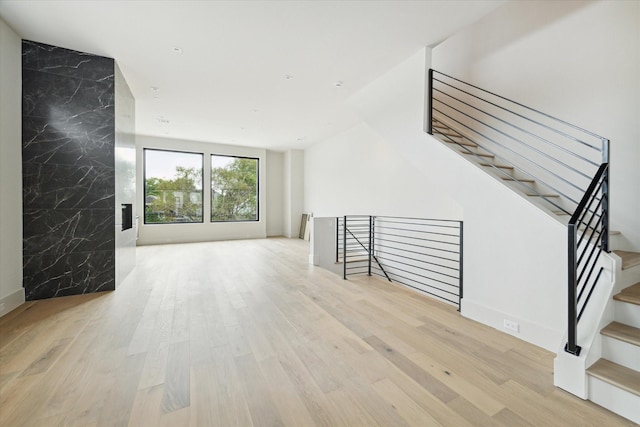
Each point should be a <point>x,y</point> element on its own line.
<point>176,50</point>
<point>338,83</point>
<point>300,139</point>
<point>288,76</point>
<point>154,88</point>
<point>163,120</point>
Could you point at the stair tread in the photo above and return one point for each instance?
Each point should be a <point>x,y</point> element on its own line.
<point>511,178</point>
<point>477,154</point>
<point>622,332</point>
<point>630,294</point>
<point>617,375</point>
<point>543,195</point>
<point>629,259</point>
<point>497,166</point>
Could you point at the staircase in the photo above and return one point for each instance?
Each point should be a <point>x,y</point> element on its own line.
<point>518,180</point>
<point>553,166</point>
<point>613,381</point>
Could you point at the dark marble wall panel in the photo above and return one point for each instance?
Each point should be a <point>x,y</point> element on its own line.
<point>64,62</point>
<point>58,98</point>
<point>61,232</point>
<point>50,276</point>
<point>71,142</point>
<point>68,171</point>
<point>54,186</point>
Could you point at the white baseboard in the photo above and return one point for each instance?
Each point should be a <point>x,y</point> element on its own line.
<point>11,302</point>
<point>533,333</point>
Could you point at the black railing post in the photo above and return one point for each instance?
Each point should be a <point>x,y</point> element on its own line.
<point>605,198</point>
<point>370,242</point>
<point>461,266</point>
<point>430,108</point>
<point>337,239</point>
<point>344,248</point>
<point>572,306</point>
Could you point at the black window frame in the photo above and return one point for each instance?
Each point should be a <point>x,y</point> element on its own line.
<point>257,159</point>
<point>144,185</point>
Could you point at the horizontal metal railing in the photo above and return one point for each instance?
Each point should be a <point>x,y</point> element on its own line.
<point>559,157</point>
<point>423,254</point>
<point>561,163</point>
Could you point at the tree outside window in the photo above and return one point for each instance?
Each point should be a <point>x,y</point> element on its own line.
<point>234,188</point>
<point>172,187</point>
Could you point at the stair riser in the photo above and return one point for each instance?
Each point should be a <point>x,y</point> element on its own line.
<point>614,399</point>
<point>627,277</point>
<point>621,352</point>
<point>627,313</point>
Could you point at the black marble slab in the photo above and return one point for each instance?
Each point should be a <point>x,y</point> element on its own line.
<point>65,187</point>
<point>72,142</point>
<point>66,62</point>
<point>51,276</point>
<point>59,98</point>
<point>63,231</point>
<point>68,171</point>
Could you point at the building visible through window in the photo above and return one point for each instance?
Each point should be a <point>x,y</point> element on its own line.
<point>172,187</point>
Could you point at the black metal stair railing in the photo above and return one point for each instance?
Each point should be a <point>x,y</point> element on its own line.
<point>562,164</point>
<point>588,237</point>
<point>423,254</point>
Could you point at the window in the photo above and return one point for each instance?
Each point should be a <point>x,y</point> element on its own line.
<point>172,187</point>
<point>234,188</point>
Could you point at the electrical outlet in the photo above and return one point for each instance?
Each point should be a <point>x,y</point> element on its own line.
<point>511,325</point>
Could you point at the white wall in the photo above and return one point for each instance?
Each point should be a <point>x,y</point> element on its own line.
<point>357,172</point>
<point>576,60</point>
<point>275,193</point>
<point>293,191</point>
<point>11,290</point>
<point>515,260</point>
<point>207,231</point>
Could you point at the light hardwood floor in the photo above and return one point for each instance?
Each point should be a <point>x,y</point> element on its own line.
<point>246,333</point>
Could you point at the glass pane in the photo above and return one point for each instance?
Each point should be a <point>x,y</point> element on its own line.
<point>172,187</point>
<point>234,188</point>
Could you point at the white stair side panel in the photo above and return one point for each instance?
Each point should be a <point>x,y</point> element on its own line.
<point>614,399</point>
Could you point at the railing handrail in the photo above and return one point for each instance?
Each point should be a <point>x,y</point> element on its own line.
<point>595,135</point>
<point>588,193</point>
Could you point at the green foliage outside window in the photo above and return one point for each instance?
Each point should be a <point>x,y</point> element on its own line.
<point>234,189</point>
<point>175,199</point>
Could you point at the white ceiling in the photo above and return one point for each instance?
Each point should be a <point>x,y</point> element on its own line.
<point>229,84</point>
